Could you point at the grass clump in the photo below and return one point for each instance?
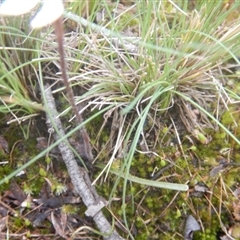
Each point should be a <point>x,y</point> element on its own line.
<point>157,84</point>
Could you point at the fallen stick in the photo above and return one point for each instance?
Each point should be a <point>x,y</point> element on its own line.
<point>78,175</point>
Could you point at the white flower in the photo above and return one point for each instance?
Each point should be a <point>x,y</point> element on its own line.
<point>17,7</point>
<point>50,11</point>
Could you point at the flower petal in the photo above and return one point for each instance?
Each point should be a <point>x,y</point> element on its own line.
<point>17,7</point>
<point>50,11</point>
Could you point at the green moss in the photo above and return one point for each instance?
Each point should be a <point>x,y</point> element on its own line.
<point>207,235</point>
<point>70,209</point>
<point>182,163</point>
<point>227,118</point>
<point>231,177</point>
<point>220,135</point>
<point>153,202</point>
<point>18,222</point>
<point>236,156</point>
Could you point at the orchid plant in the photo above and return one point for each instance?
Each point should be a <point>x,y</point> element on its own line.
<point>50,13</point>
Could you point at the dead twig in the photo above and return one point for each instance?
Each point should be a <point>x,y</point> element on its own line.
<point>78,175</point>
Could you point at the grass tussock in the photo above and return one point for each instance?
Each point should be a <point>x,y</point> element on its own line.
<point>157,83</point>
